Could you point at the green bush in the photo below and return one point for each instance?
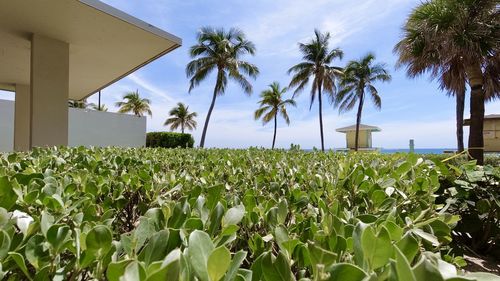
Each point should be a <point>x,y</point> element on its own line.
<point>213,215</point>
<point>473,192</point>
<point>169,140</point>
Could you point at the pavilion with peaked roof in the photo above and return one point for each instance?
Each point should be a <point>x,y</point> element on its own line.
<point>365,136</point>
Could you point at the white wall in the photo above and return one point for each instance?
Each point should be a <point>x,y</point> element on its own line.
<point>86,127</point>
<point>6,125</point>
<point>97,128</point>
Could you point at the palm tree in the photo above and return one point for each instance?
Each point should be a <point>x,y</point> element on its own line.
<point>458,38</point>
<point>317,59</point>
<point>135,104</point>
<point>220,51</point>
<point>102,107</point>
<point>453,80</point>
<point>358,80</point>
<point>180,116</point>
<point>272,104</point>
<point>78,103</point>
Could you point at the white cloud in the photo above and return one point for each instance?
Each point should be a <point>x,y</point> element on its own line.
<point>427,134</point>
<point>150,87</point>
<point>272,31</point>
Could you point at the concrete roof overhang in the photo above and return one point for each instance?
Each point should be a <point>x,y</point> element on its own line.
<point>106,44</point>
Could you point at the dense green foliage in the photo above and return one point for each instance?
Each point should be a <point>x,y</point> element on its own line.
<point>169,140</point>
<point>177,214</point>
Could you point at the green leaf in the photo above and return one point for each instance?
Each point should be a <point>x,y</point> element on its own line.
<point>218,263</point>
<point>345,272</point>
<point>401,267</point>
<point>156,248</point>
<point>238,259</point>
<point>357,243</point>
<point>116,269</point>
<point>143,232</point>
<point>214,195</point>
<point>244,275</point>
<point>19,260</point>
<point>4,244</point>
<point>98,240</point>
<point>134,271</point>
<point>233,215</point>
<point>56,236</point>
<point>193,223</point>
<point>403,169</point>
<point>395,230</point>
<point>425,270</point>
<point>320,256</point>
<point>8,196</point>
<point>377,249</point>
<point>36,253</point>
<point>200,248</point>
<point>170,268</point>
<point>276,269</point>
<point>426,236</point>
<point>156,216</point>
<point>215,219</point>
<point>482,276</point>
<point>46,222</point>
<point>409,246</point>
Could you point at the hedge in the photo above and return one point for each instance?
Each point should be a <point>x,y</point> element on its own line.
<point>169,140</point>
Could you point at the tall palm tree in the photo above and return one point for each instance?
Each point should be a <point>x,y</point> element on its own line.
<point>180,116</point>
<point>316,64</point>
<point>356,82</point>
<point>135,104</point>
<point>220,51</point>
<point>456,35</point>
<point>453,80</point>
<point>272,104</point>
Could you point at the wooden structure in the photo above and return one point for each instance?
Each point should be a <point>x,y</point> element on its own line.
<point>365,136</point>
<point>491,132</point>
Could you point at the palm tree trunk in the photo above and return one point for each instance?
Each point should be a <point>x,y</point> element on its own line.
<point>321,119</point>
<point>202,142</point>
<point>182,128</point>
<point>460,120</point>
<point>275,127</point>
<point>476,141</point>
<point>358,121</point>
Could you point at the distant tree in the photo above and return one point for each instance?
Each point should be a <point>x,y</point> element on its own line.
<point>135,104</point>
<point>181,117</point>
<point>220,51</point>
<point>356,82</point>
<point>317,59</point>
<point>99,108</point>
<point>78,103</point>
<point>272,104</point>
<point>457,42</point>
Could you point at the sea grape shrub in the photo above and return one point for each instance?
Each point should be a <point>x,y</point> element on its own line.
<point>184,214</point>
<point>473,192</point>
<point>169,140</point>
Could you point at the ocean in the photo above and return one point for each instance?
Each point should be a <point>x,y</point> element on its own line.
<point>417,150</point>
<point>407,150</point>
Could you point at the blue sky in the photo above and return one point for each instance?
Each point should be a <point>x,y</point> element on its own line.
<point>411,109</point>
